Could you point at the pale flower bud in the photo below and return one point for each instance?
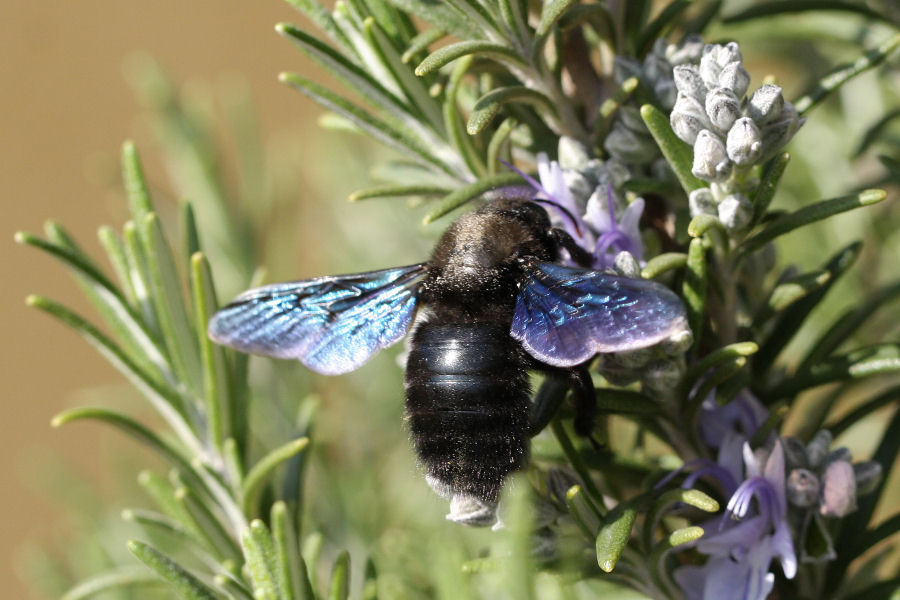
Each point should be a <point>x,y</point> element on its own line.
<point>702,202</point>
<point>744,142</point>
<point>688,81</point>
<point>868,476</point>
<point>838,490</point>
<point>736,78</point>
<point>688,118</point>
<point>722,108</point>
<point>775,134</point>
<point>817,448</point>
<point>627,265</point>
<point>666,92</point>
<point>578,185</point>
<point>802,488</point>
<point>735,212</point>
<point>656,66</point>
<point>625,67</point>
<point>630,117</point>
<point>688,51</point>
<point>572,153</point>
<point>765,104</point>
<point>628,145</point>
<point>715,58</point>
<point>679,343</point>
<point>662,376</point>
<point>710,159</point>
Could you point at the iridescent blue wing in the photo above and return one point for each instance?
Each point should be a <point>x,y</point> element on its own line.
<point>564,315</point>
<point>330,324</point>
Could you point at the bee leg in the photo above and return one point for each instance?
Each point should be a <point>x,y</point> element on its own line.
<point>585,401</point>
<point>550,395</point>
<point>562,239</point>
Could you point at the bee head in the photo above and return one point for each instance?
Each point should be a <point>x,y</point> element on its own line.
<point>483,250</point>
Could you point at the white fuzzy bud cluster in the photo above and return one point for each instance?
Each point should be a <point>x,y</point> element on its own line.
<point>726,128</point>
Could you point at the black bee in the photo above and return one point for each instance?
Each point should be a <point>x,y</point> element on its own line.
<point>493,303</point>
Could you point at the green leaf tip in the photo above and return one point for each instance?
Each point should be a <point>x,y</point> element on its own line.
<point>685,535</point>
<point>614,536</point>
<point>700,500</point>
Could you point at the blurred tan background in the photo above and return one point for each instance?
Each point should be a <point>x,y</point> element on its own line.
<point>64,103</point>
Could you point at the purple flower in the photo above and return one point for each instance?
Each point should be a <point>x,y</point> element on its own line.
<point>742,543</point>
<point>590,218</point>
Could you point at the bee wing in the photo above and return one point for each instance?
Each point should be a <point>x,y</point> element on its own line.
<point>330,324</point>
<point>564,315</point>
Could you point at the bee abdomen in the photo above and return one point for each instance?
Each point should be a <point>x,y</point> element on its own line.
<point>467,401</point>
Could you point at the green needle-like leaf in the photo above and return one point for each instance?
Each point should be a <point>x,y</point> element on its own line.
<point>714,359</point>
<point>447,54</point>
<point>153,521</point>
<point>353,76</point>
<point>216,377</point>
<point>663,263</point>
<point>166,291</point>
<point>136,189</point>
<point>863,410</point>
<point>469,192</point>
<point>788,292</point>
<point>339,588</point>
<point>421,42</point>
<point>186,585</point>
<point>388,134</point>
<point>810,214</point>
<point>163,400</point>
<point>865,362</point>
<point>130,427</point>
<point>161,491</point>
<point>703,223</point>
<point>565,443</point>
<point>414,87</point>
<point>694,498</point>
<point>842,74</point>
<point>725,371</point>
<point>849,322</point>
<point>323,20</point>
<point>441,15</point>
<point>694,288</point>
<point>768,183</point>
<point>142,348</point>
<point>551,12</point>
<point>398,191</point>
<point>662,23</point>
<point>497,144</point>
<point>769,9</point>
<point>790,320</point>
<point>876,131</point>
<point>489,105</point>
<point>625,402</point>
<point>257,475</point>
<point>259,550</point>
<point>677,153</point>
<point>110,580</point>
<point>453,121</point>
<point>207,525</point>
<point>587,520</point>
<point>614,535</point>
<point>292,573</point>
<point>658,570</point>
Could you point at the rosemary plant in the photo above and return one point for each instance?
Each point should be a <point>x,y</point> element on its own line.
<point>721,472</point>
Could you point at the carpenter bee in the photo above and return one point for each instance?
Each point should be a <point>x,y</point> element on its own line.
<point>493,303</point>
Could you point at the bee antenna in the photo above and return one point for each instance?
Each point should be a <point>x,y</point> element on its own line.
<point>562,209</point>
